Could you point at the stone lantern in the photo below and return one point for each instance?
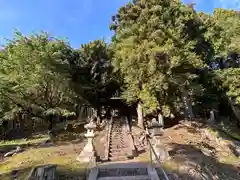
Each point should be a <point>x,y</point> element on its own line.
<point>88,152</point>
<point>158,147</point>
<point>156,128</point>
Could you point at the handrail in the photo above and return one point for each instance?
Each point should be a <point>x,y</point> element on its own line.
<point>156,156</point>
<point>107,143</point>
<point>130,138</point>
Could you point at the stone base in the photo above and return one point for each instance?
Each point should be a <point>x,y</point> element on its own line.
<point>161,153</point>
<point>86,157</point>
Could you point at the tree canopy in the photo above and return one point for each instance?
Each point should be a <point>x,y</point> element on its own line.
<point>163,55</point>
<point>161,44</point>
<point>27,80</point>
<point>169,54</point>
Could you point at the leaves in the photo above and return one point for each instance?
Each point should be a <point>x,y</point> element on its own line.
<point>162,53</point>
<point>160,43</point>
<point>27,77</point>
<point>93,70</point>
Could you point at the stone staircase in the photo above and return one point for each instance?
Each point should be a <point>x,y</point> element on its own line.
<point>119,145</point>
<point>124,171</point>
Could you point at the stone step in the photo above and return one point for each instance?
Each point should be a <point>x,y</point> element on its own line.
<point>116,138</point>
<point>118,145</point>
<point>117,151</point>
<point>116,135</point>
<point>113,137</point>
<point>119,158</point>
<point>146,177</point>
<point>117,154</point>
<point>125,149</point>
<point>118,148</point>
<point>117,132</point>
<point>124,171</point>
<point>117,141</point>
<point>127,155</point>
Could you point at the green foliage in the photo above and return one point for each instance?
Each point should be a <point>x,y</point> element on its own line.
<point>44,76</point>
<point>160,44</point>
<point>224,33</point>
<point>159,56</point>
<point>229,21</point>
<point>228,80</point>
<point>93,71</point>
<point>27,79</point>
<point>58,111</point>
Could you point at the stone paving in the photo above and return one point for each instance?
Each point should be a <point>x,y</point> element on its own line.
<point>124,171</point>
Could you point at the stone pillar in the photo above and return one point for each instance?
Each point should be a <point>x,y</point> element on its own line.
<point>160,120</point>
<point>212,118</point>
<point>88,152</point>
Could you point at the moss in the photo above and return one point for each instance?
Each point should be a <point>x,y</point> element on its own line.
<point>212,132</point>
<point>65,160</point>
<point>170,166</point>
<point>231,134</point>
<point>34,140</point>
<point>143,157</point>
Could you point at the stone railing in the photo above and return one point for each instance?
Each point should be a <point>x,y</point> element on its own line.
<point>107,138</point>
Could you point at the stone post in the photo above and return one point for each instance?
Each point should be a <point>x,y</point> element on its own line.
<point>213,117</point>
<point>159,151</point>
<point>160,120</point>
<point>88,152</point>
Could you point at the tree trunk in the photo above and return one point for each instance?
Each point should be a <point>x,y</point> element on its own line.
<point>235,111</point>
<point>140,115</point>
<point>188,105</point>
<point>50,127</point>
<point>78,113</point>
<point>129,118</point>
<point>5,128</point>
<point>108,113</point>
<point>22,121</point>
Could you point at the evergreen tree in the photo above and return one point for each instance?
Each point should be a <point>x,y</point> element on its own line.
<point>159,44</point>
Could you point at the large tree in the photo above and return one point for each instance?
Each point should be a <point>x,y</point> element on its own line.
<point>28,79</point>
<point>228,64</point>
<point>220,80</point>
<point>92,70</point>
<point>159,47</point>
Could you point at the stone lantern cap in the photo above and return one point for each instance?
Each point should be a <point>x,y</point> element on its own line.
<point>90,126</point>
<point>156,128</point>
<point>155,123</point>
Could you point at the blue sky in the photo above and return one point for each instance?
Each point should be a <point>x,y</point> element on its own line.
<point>80,21</point>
